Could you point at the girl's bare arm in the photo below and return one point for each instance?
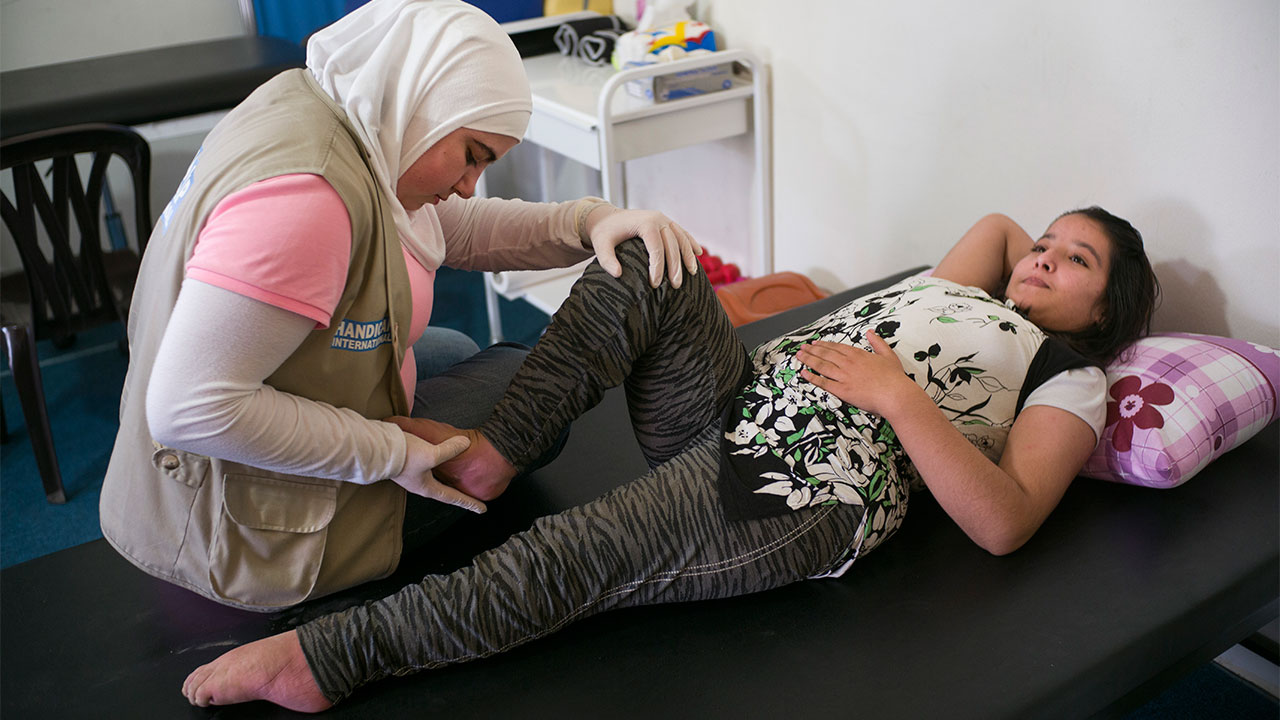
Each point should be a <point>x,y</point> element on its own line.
<point>985,255</point>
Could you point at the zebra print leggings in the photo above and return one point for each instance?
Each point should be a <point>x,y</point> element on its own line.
<point>660,538</point>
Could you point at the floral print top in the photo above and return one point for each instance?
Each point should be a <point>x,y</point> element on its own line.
<point>789,444</point>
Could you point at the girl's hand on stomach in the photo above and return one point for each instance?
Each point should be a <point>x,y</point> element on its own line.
<point>867,380</point>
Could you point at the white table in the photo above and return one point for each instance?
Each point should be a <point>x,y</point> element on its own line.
<point>585,113</point>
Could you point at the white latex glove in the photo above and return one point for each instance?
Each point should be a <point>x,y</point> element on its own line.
<point>668,243</point>
<point>420,457</point>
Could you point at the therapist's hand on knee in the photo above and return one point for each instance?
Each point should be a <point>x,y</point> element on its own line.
<point>672,250</point>
<point>420,457</point>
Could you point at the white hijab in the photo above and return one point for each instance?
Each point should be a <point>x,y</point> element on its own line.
<point>409,72</point>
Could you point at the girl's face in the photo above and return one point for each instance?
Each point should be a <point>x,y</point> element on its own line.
<point>1061,282</point>
<point>450,167</point>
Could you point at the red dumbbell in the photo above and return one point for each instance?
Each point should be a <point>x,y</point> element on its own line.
<point>724,274</point>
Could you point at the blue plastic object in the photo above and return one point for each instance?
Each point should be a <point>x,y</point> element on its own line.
<point>295,20</point>
<point>510,10</point>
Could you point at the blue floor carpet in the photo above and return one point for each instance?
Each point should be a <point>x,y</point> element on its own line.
<point>1209,693</point>
<point>82,388</point>
<point>82,391</point>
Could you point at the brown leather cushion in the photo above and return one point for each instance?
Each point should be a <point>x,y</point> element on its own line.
<point>758,298</point>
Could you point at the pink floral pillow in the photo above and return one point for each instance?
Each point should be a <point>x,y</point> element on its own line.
<point>1179,400</point>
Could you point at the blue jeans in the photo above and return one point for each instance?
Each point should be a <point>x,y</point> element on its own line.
<point>439,348</point>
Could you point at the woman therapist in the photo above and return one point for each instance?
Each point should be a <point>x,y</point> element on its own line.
<point>284,287</point>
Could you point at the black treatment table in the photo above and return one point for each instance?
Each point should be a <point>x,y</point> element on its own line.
<point>143,86</point>
<point>1122,591</point>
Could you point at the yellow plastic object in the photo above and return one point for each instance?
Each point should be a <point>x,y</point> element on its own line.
<point>757,298</point>
<point>560,7</point>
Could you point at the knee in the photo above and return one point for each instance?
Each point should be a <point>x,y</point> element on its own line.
<point>634,259</point>
<point>633,256</point>
<point>439,348</point>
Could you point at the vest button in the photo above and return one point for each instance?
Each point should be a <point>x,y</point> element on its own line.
<point>170,462</point>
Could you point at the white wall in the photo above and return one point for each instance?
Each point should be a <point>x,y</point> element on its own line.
<point>896,125</point>
<point>40,32</point>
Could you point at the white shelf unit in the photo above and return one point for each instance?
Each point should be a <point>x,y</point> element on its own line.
<point>585,113</point>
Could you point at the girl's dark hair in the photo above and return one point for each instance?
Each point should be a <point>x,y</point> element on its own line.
<point>1130,297</point>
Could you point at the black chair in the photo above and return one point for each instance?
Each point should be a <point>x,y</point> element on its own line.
<point>74,277</point>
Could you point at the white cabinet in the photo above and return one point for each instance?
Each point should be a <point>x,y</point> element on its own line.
<point>586,113</point>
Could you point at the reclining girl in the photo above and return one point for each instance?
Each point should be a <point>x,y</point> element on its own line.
<point>768,467</point>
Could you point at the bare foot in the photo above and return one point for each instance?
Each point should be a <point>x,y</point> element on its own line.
<point>272,669</point>
<point>480,471</point>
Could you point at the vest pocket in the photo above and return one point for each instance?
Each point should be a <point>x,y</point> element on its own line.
<point>270,539</point>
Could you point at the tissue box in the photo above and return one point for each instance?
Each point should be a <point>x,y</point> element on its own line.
<point>684,83</point>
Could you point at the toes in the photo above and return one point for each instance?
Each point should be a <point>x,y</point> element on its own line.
<point>204,697</point>
<point>193,683</point>
<point>213,690</point>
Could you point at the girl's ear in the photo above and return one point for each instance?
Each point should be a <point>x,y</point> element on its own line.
<point>1100,311</point>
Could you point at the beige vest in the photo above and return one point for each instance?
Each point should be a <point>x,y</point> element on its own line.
<point>238,534</point>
